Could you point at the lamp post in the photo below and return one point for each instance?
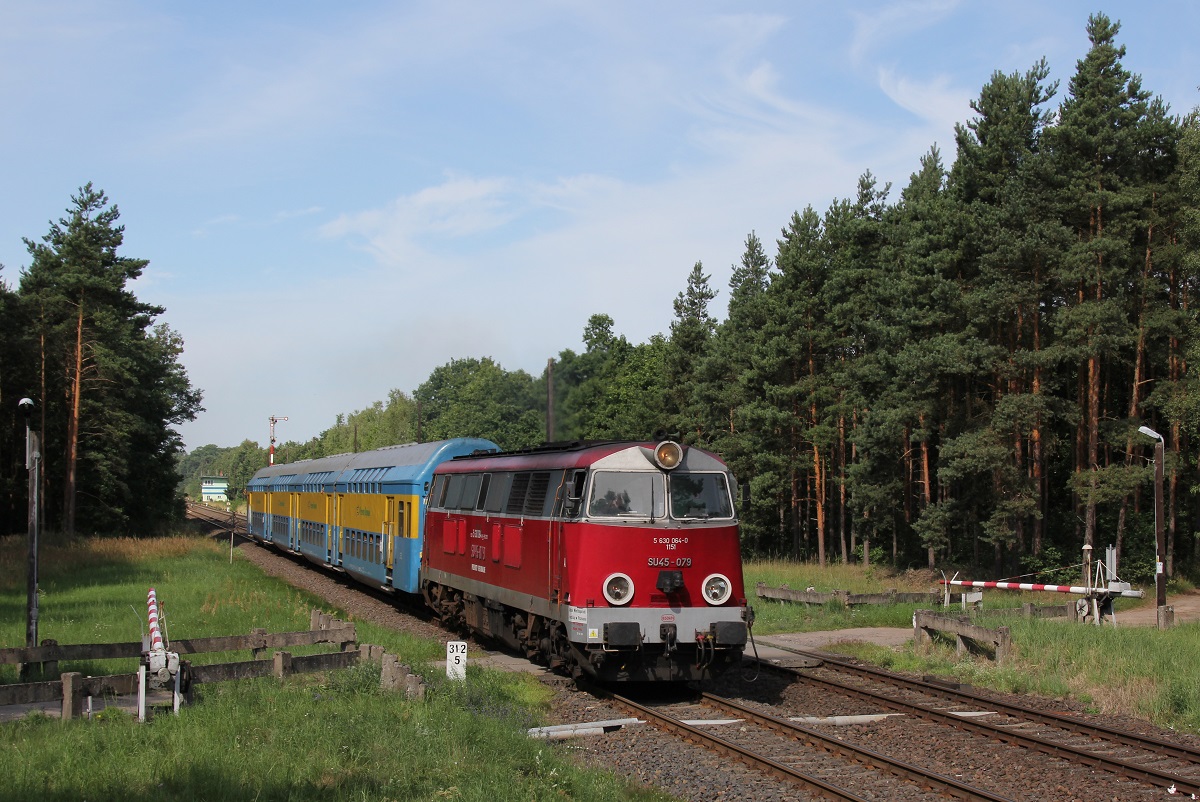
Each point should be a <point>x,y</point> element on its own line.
<point>1160,576</point>
<point>33,460</point>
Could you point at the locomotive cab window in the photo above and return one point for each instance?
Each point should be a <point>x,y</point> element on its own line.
<point>454,492</point>
<point>700,496</point>
<point>572,494</point>
<point>437,496</point>
<point>626,495</point>
<point>470,493</point>
<point>497,492</point>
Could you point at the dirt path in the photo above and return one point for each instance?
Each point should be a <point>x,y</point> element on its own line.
<point>1186,605</point>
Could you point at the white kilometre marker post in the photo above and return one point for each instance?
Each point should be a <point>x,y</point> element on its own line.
<point>456,660</point>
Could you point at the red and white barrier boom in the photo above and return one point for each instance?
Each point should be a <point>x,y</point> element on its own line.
<point>158,665</point>
<point>1097,596</point>
<point>1079,590</point>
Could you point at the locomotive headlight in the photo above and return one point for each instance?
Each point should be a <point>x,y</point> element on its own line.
<point>668,455</point>
<point>618,589</point>
<point>717,589</point>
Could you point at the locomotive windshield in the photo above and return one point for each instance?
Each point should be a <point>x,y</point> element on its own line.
<point>629,495</point>
<point>693,496</point>
<point>700,496</point>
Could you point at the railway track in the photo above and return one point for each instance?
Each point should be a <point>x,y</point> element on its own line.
<point>1126,754</point>
<point>226,520</point>
<point>768,743</point>
<point>957,694</point>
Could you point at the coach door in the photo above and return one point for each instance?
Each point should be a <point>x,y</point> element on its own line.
<point>566,501</point>
<point>390,532</point>
<point>294,515</point>
<point>330,528</point>
<point>339,536</point>
<point>558,561</point>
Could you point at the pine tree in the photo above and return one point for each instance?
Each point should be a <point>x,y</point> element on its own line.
<point>730,382</point>
<point>1003,185</point>
<point>691,335</point>
<point>111,388</point>
<point>1096,148</point>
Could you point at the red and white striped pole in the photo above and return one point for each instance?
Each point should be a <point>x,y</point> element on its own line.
<point>156,639</point>
<point>1033,586</point>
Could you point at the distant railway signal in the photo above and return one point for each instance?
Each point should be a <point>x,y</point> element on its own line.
<point>274,420</point>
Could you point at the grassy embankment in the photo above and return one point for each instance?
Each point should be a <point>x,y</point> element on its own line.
<point>1139,671</point>
<point>334,737</point>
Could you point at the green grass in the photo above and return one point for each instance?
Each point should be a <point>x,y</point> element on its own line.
<point>334,736</point>
<point>1139,671</point>
<point>303,739</point>
<point>773,617</point>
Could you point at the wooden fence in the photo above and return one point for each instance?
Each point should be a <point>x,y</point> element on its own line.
<point>847,599</point>
<point>72,688</point>
<point>968,636</point>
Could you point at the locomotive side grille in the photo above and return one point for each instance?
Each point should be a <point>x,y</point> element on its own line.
<point>535,501</point>
<point>516,496</point>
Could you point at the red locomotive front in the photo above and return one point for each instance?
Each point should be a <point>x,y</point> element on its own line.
<point>617,560</point>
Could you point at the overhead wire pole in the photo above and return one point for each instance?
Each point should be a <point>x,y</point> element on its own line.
<point>271,455</point>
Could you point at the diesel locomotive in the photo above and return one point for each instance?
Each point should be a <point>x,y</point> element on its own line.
<point>615,560</point>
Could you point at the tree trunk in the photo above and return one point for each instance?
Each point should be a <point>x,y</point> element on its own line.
<point>73,430</point>
<point>842,489</point>
<point>927,486</point>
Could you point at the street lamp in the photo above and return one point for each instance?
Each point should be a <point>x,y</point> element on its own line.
<point>33,460</point>
<point>1160,576</point>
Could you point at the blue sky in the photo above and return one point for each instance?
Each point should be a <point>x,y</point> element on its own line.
<point>336,198</point>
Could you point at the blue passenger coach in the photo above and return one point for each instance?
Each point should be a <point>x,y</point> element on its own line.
<point>363,513</point>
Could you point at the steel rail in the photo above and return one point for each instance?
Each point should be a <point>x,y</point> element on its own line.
<point>859,755</point>
<point>1159,746</point>
<point>877,760</point>
<point>1121,768</point>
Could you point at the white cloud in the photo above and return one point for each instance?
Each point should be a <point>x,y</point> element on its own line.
<point>878,29</point>
<point>937,101</point>
<point>457,208</point>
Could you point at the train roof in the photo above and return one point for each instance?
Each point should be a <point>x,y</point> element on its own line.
<point>606,454</point>
<point>391,464</point>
